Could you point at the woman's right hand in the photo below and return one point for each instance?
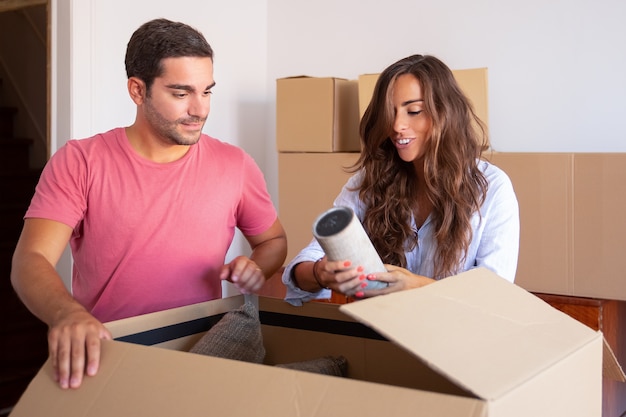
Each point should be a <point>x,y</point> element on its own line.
<point>340,276</point>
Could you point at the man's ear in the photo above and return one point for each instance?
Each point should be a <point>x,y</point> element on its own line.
<point>136,90</point>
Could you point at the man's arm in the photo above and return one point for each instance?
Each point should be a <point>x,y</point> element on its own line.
<point>269,249</point>
<point>74,335</point>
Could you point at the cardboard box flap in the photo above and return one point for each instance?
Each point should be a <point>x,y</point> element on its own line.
<point>136,380</point>
<point>610,365</point>
<point>487,335</point>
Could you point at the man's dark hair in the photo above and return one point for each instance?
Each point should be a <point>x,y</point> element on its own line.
<point>159,39</point>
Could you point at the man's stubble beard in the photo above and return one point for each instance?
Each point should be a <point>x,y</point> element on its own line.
<point>168,130</point>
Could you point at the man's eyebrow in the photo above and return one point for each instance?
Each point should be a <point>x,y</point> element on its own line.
<point>406,103</point>
<point>186,87</point>
<point>180,87</point>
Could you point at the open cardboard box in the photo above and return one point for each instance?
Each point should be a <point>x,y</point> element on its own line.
<point>469,345</point>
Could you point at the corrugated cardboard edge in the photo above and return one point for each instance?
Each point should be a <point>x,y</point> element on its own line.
<point>610,366</point>
<point>132,325</point>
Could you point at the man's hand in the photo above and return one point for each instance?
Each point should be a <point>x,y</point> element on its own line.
<point>244,273</point>
<point>74,347</point>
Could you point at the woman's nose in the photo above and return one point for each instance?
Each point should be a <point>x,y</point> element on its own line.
<point>399,124</point>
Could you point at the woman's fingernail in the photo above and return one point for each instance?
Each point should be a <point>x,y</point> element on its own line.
<point>359,294</point>
<point>347,263</point>
<point>359,269</point>
<point>363,284</point>
<point>361,277</point>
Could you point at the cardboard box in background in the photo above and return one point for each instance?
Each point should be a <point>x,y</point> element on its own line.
<point>472,81</point>
<point>367,82</point>
<point>317,115</point>
<point>573,231</point>
<point>543,186</point>
<point>469,345</point>
<point>599,237</point>
<point>308,184</point>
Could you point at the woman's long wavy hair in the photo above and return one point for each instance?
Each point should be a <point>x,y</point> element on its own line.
<point>454,184</point>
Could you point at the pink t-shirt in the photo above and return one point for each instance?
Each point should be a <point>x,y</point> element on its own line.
<point>148,236</point>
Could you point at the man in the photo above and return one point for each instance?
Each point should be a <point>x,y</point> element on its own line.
<point>149,210</point>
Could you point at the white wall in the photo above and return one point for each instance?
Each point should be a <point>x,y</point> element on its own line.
<point>100,30</point>
<point>557,69</point>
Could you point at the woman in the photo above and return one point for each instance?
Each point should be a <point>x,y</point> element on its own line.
<point>430,205</point>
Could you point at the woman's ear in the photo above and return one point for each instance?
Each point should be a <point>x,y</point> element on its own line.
<point>136,90</point>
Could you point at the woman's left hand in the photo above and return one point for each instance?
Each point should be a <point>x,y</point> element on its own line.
<point>399,279</point>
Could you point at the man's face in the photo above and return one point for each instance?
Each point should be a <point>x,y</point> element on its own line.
<point>179,100</point>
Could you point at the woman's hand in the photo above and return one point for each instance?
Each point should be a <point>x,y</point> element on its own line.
<point>397,278</point>
<point>339,276</point>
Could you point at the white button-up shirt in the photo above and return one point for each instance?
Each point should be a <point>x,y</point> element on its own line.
<point>494,245</point>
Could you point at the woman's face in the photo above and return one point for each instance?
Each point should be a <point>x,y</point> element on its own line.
<point>411,124</point>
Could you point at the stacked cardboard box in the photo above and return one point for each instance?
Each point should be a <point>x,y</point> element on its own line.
<point>317,121</point>
<point>308,184</point>
<point>317,115</point>
<point>573,231</point>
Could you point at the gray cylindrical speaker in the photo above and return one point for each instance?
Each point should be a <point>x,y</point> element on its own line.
<point>341,235</point>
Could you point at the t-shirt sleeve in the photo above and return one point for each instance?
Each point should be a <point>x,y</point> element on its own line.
<point>256,211</point>
<point>60,194</point>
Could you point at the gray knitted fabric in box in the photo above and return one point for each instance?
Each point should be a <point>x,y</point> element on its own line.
<point>236,336</point>
<point>326,365</point>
